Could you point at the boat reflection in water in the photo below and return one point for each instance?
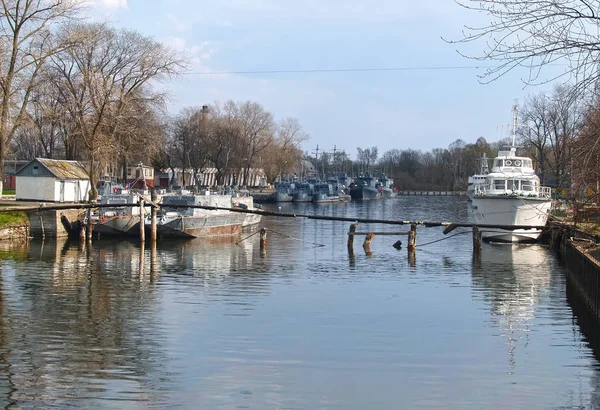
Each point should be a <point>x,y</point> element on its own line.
<point>512,278</point>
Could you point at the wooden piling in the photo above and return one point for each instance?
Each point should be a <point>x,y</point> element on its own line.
<point>153,198</point>
<point>476,239</point>
<point>412,238</point>
<point>142,223</point>
<point>88,230</point>
<point>263,240</point>
<point>368,239</point>
<point>351,237</point>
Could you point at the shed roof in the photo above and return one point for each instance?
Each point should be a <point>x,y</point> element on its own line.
<point>63,169</point>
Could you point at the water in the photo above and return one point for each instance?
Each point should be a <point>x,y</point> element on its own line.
<point>215,325</point>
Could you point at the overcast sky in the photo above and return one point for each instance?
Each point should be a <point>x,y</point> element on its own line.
<point>429,105</point>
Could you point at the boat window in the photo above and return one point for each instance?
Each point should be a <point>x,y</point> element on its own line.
<point>527,186</point>
<point>513,185</point>
<point>499,184</point>
<point>497,163</point>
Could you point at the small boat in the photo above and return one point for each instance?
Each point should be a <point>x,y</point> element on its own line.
<point>176,220</point>
<point>324,193</point>
<point>478,179</point>
<point>284,191</point>
<point>119,220</point>
<point>365,187</point>
<point>511,195</point>
<point>304,192</point>
<point>386,186</point>
<point>243,200</point>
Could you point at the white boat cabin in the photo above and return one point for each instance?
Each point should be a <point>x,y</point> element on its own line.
<point>512,175</point>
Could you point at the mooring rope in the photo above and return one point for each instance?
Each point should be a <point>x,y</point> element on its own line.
<point>296,239</point>
<point>249,236</point>
<point>442,239</point>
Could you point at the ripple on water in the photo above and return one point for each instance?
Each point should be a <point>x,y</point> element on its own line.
<point>215,324</point>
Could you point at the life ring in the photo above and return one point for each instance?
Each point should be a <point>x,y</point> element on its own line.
<point>518,163</point>
<point>507,162</point>
<point>115,189</point>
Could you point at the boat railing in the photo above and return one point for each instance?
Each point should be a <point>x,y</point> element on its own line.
<point>531,192</point>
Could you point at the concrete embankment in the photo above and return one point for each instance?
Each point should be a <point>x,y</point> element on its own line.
<point>581,255</point>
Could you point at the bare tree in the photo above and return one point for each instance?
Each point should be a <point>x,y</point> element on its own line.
<point>536,33</point>
<point>26,42</point>
<point>283,155</point>
<point>191,131</point>
<point>105,75</point>
<point>257,129</point>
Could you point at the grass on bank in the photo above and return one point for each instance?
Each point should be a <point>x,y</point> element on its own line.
<point>8,191</point>
<point>13,218</point>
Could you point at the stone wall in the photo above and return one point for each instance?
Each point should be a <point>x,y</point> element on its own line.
<point>48,224</point>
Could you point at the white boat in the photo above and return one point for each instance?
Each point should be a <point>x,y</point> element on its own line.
<point>478,179</point>
<point>511,195</point>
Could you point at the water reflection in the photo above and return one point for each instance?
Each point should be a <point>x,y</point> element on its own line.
<point>218,324</point>
<point>512,278</point>
<point>73,326</point>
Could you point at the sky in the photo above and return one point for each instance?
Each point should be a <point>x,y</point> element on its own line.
<point>428,104</point>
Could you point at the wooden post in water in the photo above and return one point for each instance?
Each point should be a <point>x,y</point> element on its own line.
<point>142,224</point>
<point>351,237</point>
<point>368,239</point>
<point>412,238</point>
<point>412,245</point>
<point>88,230</point>
<point>263,240</point>
<point>476,239</point>
<point>153,198</point>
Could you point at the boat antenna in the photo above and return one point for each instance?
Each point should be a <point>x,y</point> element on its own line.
<point>514,131</point>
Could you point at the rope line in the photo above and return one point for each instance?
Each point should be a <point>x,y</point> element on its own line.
<point>249,236</point>
<point>296,239</point>
<point>442,239</point>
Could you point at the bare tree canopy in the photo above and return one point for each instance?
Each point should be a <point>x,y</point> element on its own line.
<point>26,42</point>
<point>535,34</point>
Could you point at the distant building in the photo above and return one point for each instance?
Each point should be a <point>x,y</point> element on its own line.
<point>168,178</point>
<point>51,180</point>
<point>140,176</point>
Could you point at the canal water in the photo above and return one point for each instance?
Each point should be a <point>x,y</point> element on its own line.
<point>218,325</point>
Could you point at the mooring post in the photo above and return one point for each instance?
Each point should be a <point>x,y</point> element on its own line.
<point>153,198</point>
<point>368,238</point>
<point>142,224</point>
<point>412,238</point>
<point>153,261</point>
<point>351,237</point>
<point>88,230</point>
<point>263,240</point>
<point>476,239</point>
<point>82,233</point>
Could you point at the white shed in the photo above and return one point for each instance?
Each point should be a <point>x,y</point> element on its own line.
<point>52,180</point>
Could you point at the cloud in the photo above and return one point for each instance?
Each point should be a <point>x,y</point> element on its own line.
<point>109,4</point>
<point>199,55</point>
<point>177,24</point>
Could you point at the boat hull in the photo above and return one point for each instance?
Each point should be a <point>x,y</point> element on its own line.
<point>121,225</point>
<point>281,197</point>
<point>364,193</point>
<point>302,197</point>
<point>228,224</point>
<point>506,211</point>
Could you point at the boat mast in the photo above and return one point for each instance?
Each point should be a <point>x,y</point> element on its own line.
<point>514,131</point>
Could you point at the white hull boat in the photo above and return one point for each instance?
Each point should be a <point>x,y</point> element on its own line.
<point>511,195</point>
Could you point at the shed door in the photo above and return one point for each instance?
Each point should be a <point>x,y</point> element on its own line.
<point>61,197</point>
